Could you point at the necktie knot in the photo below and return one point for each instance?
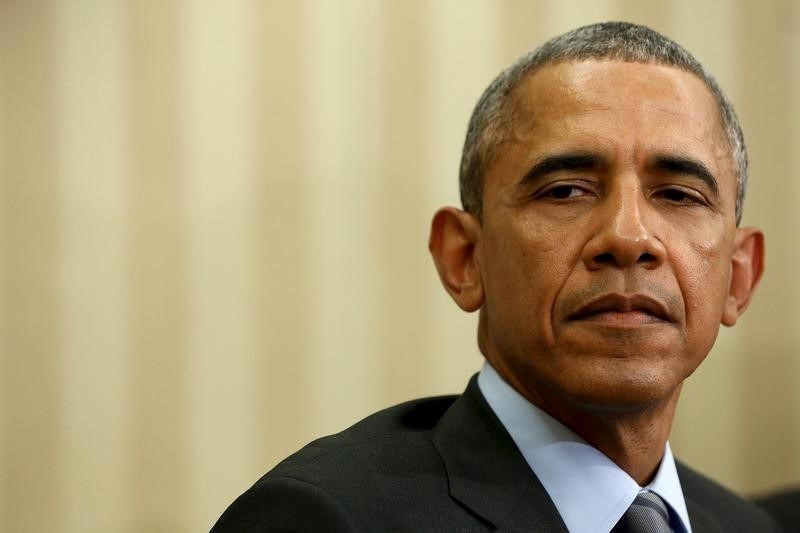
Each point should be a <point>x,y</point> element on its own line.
<point>647,514</point>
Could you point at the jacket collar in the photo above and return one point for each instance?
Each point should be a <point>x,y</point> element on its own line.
<point>702,521</point>
<point>486,472</point>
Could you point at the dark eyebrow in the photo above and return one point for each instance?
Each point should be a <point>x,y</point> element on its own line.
<point>555,163</point>
<point>688,166</point>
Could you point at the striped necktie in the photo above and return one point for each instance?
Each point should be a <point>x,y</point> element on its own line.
<point>647,514</point>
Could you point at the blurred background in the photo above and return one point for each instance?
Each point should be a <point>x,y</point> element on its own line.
<point>213,229</point>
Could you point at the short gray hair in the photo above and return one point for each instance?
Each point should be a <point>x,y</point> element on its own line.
<point>622,41</point>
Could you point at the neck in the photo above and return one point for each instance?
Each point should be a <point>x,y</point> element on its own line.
<point>633,436</point>
<point>635,440</point>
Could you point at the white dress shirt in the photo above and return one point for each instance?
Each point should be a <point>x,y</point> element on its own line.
<point>589,490</point>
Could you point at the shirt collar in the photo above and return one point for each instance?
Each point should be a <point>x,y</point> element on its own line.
<point>589,490</point>
<point>667,485</point>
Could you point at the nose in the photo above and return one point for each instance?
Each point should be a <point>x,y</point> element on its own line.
<point>623,234</point>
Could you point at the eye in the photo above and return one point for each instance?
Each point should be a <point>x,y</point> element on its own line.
<point>677,195</point>
<point>564,191</point>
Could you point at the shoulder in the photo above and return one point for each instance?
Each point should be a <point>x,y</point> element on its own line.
<point>708,502</point>
<point>378,439</point>
<point>282,503</point>
<point>381,463</point>
<point>392,440</point>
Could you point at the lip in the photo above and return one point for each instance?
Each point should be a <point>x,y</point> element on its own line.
<point>622,309</point>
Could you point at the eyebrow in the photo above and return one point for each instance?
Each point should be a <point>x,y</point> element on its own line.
<point>678,164</point>
<point>674,164</point>
<point>555,163</point>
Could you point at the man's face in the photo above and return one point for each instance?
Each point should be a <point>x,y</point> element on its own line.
<point>607,236</point>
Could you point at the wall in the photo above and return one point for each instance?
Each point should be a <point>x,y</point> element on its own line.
<point>213,225</point>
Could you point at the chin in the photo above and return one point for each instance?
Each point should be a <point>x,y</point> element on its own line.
<point>623,399</point>
<point>621,385</point>
<point>624,393</point>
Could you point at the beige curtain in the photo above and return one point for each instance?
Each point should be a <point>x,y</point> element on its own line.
<point>213,224</point>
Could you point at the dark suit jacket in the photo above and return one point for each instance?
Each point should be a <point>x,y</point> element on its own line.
<point>436,464</point>
<point>784,506</point>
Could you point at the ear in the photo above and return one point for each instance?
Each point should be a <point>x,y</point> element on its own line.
<point>453,242</point>
<point>747,266</point>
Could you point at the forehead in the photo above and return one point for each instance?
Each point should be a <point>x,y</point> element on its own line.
<point>650,92</point>
<point>618,108</point>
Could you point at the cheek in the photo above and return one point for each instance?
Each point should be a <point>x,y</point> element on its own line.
<point>705,282</point>
<point>525,266</point>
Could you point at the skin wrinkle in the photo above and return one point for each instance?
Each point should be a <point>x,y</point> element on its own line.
<point>523,129</point>
<point>573,301</point>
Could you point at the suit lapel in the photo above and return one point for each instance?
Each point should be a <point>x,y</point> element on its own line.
<point>487,474</point>
<point>702,521</point>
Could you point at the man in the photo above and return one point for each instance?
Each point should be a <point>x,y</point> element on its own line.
<point>602,181</point>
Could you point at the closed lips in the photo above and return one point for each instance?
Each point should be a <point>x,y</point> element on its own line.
<point>620,303</point>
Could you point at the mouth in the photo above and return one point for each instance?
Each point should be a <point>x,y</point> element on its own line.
<point>622,310</point>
